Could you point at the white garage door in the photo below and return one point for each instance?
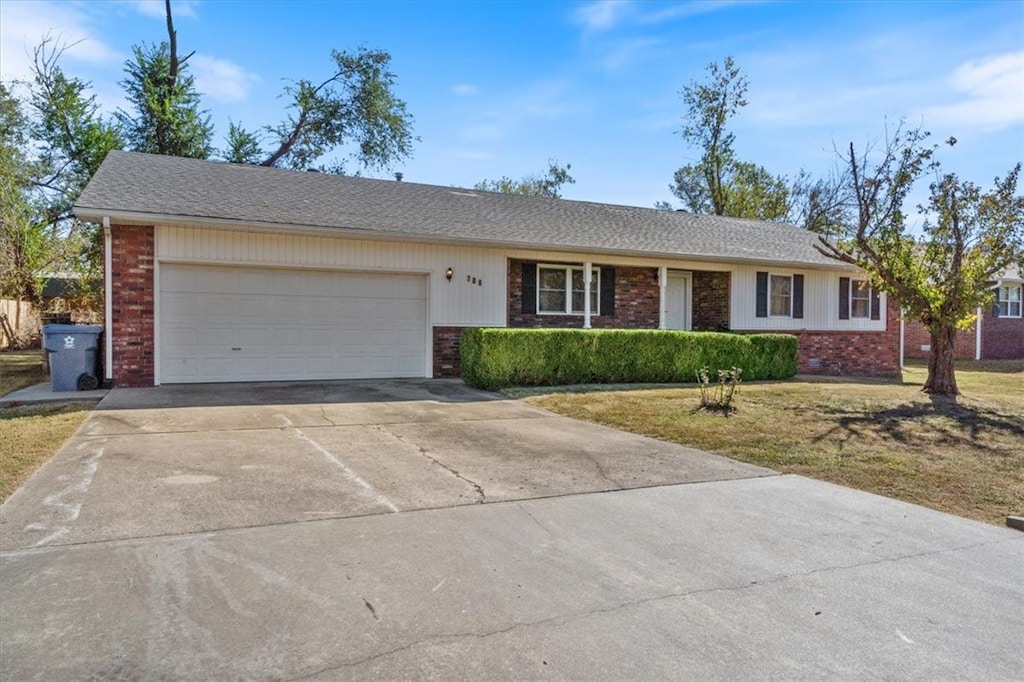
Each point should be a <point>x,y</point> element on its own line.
<point>266,324</point>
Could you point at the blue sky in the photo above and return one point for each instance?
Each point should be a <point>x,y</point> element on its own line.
<point>498,88</point>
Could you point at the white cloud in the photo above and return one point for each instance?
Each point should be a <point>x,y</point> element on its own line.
<point>464,89</point>
<point>992,94</point>
<point>544,100</point>
<point>601,15</point>
<point>220,79</point>
<point>23,25</point>
<point>156,9</point>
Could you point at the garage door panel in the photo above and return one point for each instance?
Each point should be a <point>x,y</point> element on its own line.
<point>250,324</point>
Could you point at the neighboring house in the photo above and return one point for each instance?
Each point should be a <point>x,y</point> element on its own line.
<point>222,272</point>
<point>1000,336</point>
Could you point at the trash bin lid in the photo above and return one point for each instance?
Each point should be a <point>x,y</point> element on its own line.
<point>71,329</point>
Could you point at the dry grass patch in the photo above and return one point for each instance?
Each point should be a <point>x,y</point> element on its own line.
<point>31,435</point>
<point>964,457</point>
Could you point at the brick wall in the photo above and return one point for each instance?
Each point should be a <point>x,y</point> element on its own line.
<point>710,301</point>
<point>1002,338</point>
<point>132,304</point>
<point>916,335</point>
<point>852,353</point>
<point>447,361</point>
<point>637,300</point>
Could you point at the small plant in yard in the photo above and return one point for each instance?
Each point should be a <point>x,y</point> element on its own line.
<point>718,397</point>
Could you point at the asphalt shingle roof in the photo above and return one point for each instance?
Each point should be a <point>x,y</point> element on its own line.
<point>173,189</point>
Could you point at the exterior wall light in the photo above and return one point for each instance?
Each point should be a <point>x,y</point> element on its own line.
<point>448,274</point>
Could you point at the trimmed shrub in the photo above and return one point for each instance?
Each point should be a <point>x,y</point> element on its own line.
<point>501,357</point>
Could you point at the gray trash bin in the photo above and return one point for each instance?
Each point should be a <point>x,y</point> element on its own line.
<point>72,352</point>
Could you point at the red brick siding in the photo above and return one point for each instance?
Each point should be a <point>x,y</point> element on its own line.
<point>447,361</point>
<point>852,353</point>
<point>916,335</point>
<point>637,300</point>
<point>1002,338</point>
<point>710,301</point>
<point>132,304</point>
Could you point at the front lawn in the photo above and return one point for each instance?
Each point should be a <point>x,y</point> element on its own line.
<point>30,434</point>
<point>964,458</point>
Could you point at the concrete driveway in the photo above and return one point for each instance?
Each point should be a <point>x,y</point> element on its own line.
<point>335,531</point>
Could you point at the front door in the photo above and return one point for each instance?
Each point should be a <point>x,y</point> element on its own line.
<point>677,301</point>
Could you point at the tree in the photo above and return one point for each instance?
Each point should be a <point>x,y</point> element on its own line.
<point>547,185</point>
<point>719,183</point>
<point>969,237</point>
<point>748,191</point>
<point>166,117</point>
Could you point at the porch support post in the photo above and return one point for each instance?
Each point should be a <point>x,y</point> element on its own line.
<point>587,277</point>
<point>662,284</point>
<point>108,305</point>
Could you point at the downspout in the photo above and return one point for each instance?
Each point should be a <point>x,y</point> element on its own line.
<point>662,283</point>
<point>977,336</point>
<point>903,330</point>
<point>108,306</point>
<point>586,294</point>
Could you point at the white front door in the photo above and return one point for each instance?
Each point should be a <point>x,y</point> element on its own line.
<point>677,301</point>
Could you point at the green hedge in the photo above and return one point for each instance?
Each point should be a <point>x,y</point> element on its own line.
<point>498,358</point>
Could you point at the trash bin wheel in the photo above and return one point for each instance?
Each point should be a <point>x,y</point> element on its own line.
<point>87,382</point>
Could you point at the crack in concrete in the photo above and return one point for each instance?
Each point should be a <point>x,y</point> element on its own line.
<point>571,618</point>
<point>426,453</point>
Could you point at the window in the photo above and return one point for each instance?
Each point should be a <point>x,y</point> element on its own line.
<point>860,298</point>
<point>1009,300</point>
<point>560,289</point>
<point>781,295</point>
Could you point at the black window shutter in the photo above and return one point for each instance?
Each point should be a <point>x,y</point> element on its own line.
<point>798,297</point>
<point>762,294</point>
<point>529,288</point>
<point>608,291</point>
<point>876,305</point>
<point>995,309</point>
<point>844,298</point>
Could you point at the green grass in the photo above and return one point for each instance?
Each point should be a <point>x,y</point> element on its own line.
<point>965,457</point>
<point>19,369</point>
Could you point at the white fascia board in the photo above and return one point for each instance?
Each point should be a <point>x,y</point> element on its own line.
<point>140,218</point>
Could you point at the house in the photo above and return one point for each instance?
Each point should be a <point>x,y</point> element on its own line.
<point>223,272</point>
<point>996,334</point>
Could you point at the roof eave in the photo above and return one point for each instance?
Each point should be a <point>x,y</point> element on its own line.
<point>119,217</point>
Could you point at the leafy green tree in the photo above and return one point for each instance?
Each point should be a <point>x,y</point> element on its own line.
<point>941,278</point>
<point>719,183</point>
<point>748,191</point>
<point>548,184</point>
<point>166,117</point>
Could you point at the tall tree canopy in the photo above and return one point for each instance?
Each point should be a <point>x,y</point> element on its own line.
<point>548,184</point>
<point>943,276</point>
<point>719,183</point>
<point>55,136</point>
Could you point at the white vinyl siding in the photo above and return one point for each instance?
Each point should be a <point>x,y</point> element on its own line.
<point>475,296</point>
<point>821,303</point>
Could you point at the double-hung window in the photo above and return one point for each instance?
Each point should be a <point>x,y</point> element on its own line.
<point>860,298</point>
<point>1009,300</point>
<point>780,296</point>
<point>560,289</point>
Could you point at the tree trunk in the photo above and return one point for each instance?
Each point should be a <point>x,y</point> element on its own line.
<point>941,374</point>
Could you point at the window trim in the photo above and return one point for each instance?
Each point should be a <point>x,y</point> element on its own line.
<point>595,289</point>
<point>1007,302</point>
<point>789,276</point>
<point>869,291</point>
